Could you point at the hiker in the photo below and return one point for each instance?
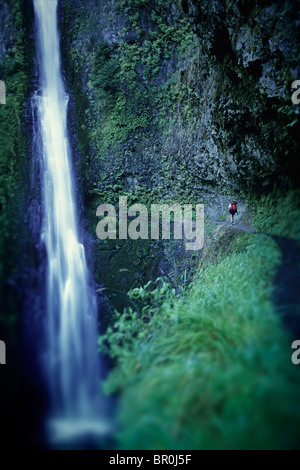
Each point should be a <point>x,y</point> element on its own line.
<point>232,211</point>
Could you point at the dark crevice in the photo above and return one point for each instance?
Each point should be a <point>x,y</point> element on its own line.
<point>255,69</point>
<point>286,290</point>
<point>185,6</point>
<point>287,284</point>
<point>222,45</point>
<point>246,6</point>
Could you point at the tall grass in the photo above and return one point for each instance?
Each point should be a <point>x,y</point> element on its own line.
<point>279,214</point>
<point>212,369</point>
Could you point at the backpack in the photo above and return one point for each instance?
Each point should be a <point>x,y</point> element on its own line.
<point>233,206</point>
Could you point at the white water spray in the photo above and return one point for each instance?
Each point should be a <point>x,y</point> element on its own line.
<point>71,357</point>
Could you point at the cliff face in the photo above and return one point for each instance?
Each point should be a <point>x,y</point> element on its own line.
<point>173,100</point>
<point>179,100</point>
<point>191,90</point>
<point>16,248</point>
<point>15,70</point>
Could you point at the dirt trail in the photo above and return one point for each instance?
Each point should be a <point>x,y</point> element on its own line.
<point>242,227</point>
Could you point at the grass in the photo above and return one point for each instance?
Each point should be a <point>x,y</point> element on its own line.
<point>211,369</point>
<point>223,218</point>
<point>278,214</point>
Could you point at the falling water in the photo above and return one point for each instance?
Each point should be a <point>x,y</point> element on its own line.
<point>71,358</point>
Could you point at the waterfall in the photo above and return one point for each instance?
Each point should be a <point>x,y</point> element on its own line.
<point>71,358</point>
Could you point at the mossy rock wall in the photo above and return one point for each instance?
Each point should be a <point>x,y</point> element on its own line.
<point>180,101</point>
<point>16,51</point>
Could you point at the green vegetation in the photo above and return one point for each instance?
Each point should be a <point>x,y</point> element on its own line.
<point>278,214</point>
<point>125,264</point>
<point>210,369</point>
<point>153,98</point>
<point>170,105</point>
<point>126,104</point>
<point>223,218</point>
<point>13,161</point>
<point>124,109</point>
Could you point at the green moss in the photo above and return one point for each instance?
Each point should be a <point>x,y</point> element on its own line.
<point>15,71</point>
<point>279,214</point>
<point>156,104</point>
<point>212,369</point>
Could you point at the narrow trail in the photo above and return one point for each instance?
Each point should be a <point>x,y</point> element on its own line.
<point>243,228</point>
